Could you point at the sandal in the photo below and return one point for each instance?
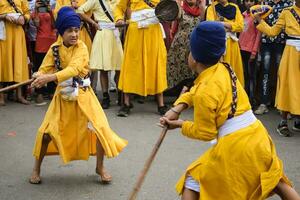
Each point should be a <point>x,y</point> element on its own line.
<point>105,178</point>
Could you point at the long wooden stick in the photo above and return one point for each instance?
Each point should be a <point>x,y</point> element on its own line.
<point>147,165</point>
<point>16,85</point>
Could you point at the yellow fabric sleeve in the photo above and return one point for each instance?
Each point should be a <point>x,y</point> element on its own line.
<point>89,5</point>
<point>274,30</point>
<point>25,9</point>
<point>210,13</point>
<point>186,98</point>
<point>76,67</point>
<point>204,125</point>
<point>120,9</point>
<point>47,66</point>
<point>238,23</point>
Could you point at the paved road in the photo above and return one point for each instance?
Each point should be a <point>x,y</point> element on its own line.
<point>77,180</point>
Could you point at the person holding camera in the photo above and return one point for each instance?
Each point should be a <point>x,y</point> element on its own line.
<point>46,35</point>
<point>13,63</point>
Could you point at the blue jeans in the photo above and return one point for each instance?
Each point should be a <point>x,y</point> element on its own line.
<point>269,52</point>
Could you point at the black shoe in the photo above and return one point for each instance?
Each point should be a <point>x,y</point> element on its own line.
<point>105,103</point>
<point>124,111</point>
<point>296,127</point>
<point>283,130</point>
<point>162,110</point>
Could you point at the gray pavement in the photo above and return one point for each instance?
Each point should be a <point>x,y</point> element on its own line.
<point>77,180</point>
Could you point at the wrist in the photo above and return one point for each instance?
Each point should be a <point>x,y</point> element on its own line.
<point>175,111</point>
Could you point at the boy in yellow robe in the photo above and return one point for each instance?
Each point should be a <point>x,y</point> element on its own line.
<point>143,70</point>
<point>242,163</point>
<point>75,125</point>
<point>288,91</point>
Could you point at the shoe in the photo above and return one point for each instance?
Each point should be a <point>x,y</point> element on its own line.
<point>105,103</point>
<point>262,109</point>
<point>124,111</point>
<point>141,100</point>
<point>283,130</point>
<point>162,110</point>
<point>40,100</point>
<point>296,127</point>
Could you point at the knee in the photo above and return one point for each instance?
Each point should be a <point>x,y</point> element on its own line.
<point>46,138</point>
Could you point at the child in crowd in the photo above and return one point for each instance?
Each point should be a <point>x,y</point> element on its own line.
<point>249,41</point>
<point>75,125</point>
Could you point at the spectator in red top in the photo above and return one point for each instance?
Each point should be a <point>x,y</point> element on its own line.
<point>249,43</point>
<point>46,36</point>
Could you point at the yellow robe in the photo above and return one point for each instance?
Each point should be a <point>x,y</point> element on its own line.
<point>67,121</point>
<point>13,52</point>
<point>242,165</point>
<point>107,51</point>
<point>232,55</point>
<point>143,70</point>
<point>84,34</point>
<point>288,90</point>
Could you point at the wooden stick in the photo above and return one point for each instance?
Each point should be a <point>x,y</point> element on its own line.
<point>16,85</point>
<point>147,165</point>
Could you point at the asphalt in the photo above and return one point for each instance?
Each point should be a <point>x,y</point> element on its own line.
<point>77,180</point>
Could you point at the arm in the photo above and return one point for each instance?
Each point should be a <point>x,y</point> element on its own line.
<point>204,126</point>
<point>25,10</point>
<point>256,44</point>
<point>120,10</point>
<point>237,25</point>
<point>274,30</point>
<point>86,7</point>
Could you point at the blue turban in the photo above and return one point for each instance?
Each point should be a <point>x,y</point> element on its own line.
<point>66,18</point>
<point>208,42</point>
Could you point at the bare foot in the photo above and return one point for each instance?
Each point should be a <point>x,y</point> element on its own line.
<point>23,101</point>
<point>105,177</point>
<point>35,178</point>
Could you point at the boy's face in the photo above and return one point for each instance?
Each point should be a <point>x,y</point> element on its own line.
<point>70,36</point>
<point>249,4</point>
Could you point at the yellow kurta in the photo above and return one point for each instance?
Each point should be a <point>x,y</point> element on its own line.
<point>84,34</point>
<point>243,164</point>
<point>67,121</point>
<point>107,51</point>
<point>232,55</point>
<point>288,89</point>
<point>143,70</point>
<point>13,52</point>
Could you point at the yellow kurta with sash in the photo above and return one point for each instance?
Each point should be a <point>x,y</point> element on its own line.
<point>84,34</point>
<point>107,51</point>
<point>75,125</point>
<point>288,89</point>
<point>13,52</point>
<point>232,55</point>
<point>143,70</point>
<point>242,165</point>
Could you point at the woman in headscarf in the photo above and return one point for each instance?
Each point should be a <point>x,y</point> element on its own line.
<point>178,72</point>
<point>13,54</point>
<point>230,15</point>
<point>242,163</point>
<point>75,125</point>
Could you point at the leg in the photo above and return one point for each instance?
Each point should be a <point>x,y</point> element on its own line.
<point>94,79</point>
<point>125,109</point>
<point>266,57</point>
<point>35,176</point>
<point>105,177</point>
<point>245,57</point>
<point>20,97</point>
<point>189,195</point>
<point>286,192</point>
<point>119,92</point>
<point>161,108</point>
<point>104,85</point>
